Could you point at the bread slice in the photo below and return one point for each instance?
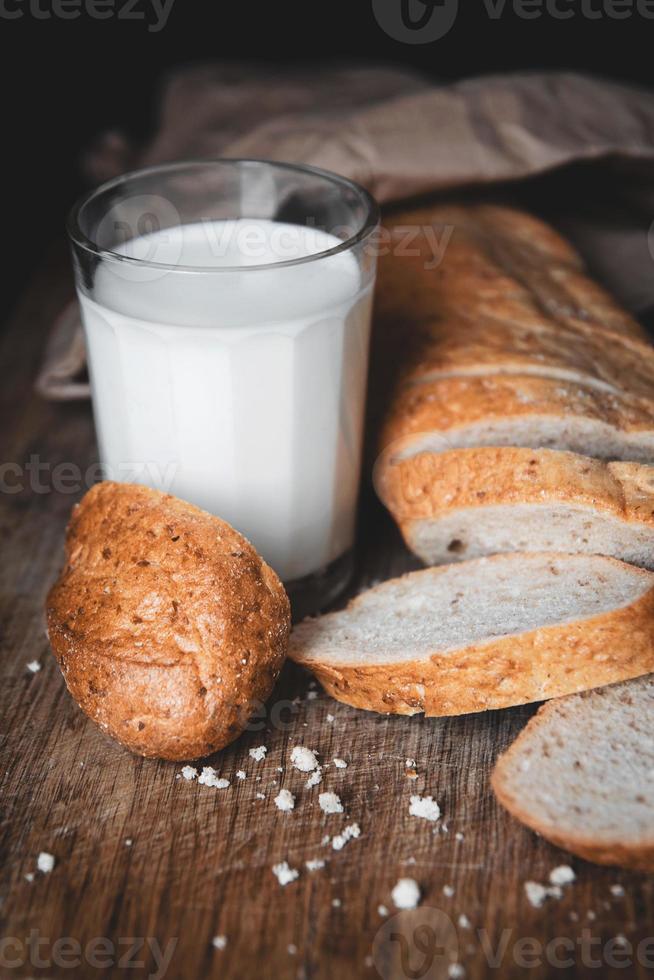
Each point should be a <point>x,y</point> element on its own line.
<point>582,774</point>
<point>518,410</point>
<point>487,633</point>
<point>456,344</point>
<point>472,502</point>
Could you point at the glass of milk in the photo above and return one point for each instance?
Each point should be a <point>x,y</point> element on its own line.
<point>226,308</point>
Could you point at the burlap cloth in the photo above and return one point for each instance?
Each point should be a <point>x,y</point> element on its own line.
<point>404,137</point>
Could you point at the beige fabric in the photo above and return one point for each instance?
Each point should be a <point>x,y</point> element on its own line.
<point>401,137</point>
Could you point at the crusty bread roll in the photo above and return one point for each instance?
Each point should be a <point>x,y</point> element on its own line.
<point>168,626</point>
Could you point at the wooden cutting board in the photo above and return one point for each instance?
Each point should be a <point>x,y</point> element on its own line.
<point>150,867</point>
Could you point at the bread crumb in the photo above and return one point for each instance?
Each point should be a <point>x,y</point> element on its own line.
<point>617,891</point>
<point>285,800</point>
<point>304,759</point>
<point>45,862</point>
<point>284,874</point>
<point>34,666</point>
<point>382,910</point>
<point>448,891</point>
<point>258,754</point>
<point>368,961</point>
<point>260,796</point>
<point>330,803</point>
<point>590,915</point>
<point>312,695</point>
<point>464,922</point>
<point>340,763</point>
<point>562,875</point>
<point>314,864</point>
<point>29,876</point>
<point>241,774</point>
<point>219,942</point>
<point>458,835</point>
<point>291,949</point>
<point>314,778</point>
<point>209,777</point>
<point>536,893</point>
<point>128,842</point>
<point>410,764</point>
<point>189,772</point>
<point>425,807</point>
<point>330,719</point>
<point>406,894</point>
<point>336,903</point>
<point>349,833</point>
<point>455,971</point>
<point>326,839</point>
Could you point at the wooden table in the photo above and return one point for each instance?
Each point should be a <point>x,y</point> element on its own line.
<point>150,866</point>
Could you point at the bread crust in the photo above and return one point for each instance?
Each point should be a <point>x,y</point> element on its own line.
<point>491,261</point>
<point>167,625</point>
<point>544,663</point>
<point>429,486</point>
<point>638,855</point>
<point>447,406</point>
<point>458,344</point>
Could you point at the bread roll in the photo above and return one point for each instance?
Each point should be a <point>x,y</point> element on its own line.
<point>167,625</point>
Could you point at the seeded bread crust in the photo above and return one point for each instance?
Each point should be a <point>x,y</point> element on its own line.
<point>167,625</point>
<point>513,773</point>
<point>535,665</point>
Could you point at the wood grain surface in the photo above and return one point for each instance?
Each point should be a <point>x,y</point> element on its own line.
<point>150,867</point>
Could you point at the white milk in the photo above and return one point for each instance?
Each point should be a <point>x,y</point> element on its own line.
<point>240,391</point>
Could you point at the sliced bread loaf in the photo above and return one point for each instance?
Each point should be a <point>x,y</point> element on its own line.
<point>518,410</point>
<point>582,774</point>
<point>487,633</point>
<point>471,502</point>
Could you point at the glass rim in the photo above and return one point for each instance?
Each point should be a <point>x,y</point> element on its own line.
<point>79,238</point>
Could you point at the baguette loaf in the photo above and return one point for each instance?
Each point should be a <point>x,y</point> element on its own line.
<point>487,633</point>
<point>581,772</point>
<point>472,502</point>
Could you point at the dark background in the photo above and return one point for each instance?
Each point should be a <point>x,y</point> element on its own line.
<point>64,81</point>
